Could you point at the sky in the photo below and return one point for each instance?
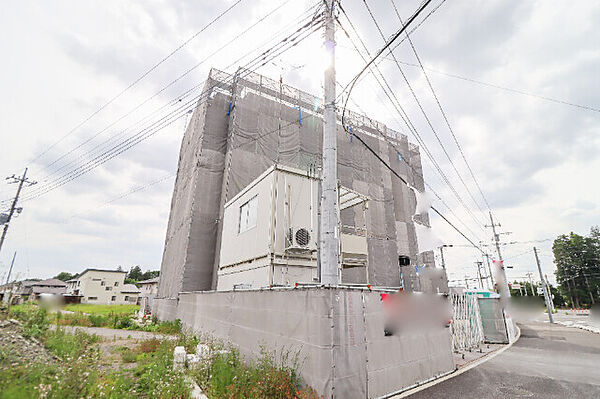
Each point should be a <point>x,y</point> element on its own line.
<point>70,87</point>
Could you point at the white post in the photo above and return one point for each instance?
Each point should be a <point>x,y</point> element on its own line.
<point>329,248</point>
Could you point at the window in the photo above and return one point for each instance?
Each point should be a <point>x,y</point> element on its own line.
<point>126,298</point>
<point>108,288</point>
<point>78,283</point>
<point>248,213</point>
<point>113,298</point>
<point>116,283</point>
<point>103,283</point>
<point>93,298</point>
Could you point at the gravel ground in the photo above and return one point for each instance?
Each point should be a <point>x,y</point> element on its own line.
<point>109,333</point>
<point>16,349</point>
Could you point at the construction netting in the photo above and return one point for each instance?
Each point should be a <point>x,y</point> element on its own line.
<point>247,124</point>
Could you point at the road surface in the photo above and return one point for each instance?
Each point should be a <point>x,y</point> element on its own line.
<point>548,361</point>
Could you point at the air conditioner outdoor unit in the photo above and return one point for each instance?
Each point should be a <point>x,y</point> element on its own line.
<point>298,239</point>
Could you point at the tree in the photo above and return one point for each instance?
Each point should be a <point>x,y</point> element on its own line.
<point>135,273</point>
<point>150,274</point>
<point>577,260</point>
<point>65,276</point>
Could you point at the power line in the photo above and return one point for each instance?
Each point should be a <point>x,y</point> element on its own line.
<point>441,109</point>
<point>183,95</point>
<point>138,79</point>
<point>422,109</point>
<point>390,93</point>
<point>502,87</point>
<point>284,45</point>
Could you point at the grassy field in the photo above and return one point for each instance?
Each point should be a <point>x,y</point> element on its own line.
<point>85,366</point>
<point>101,309</point>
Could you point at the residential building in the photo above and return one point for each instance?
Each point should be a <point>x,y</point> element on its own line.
<point>50,286</point>
<point>148,290</point>
<point>230,142</point>
<point>102,286</point>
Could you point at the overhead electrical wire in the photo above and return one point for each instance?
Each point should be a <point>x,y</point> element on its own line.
<point>439,104</point>
<point>183,95</point>
<point>501,87</point>
<point>215,19</point>
<point>288,42</point>
<point>180,97</point>
<point>350,86</point>
<point>427,119</point>
<point>407,121</point>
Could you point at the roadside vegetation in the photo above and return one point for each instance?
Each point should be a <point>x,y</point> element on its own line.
<point>80,365</point>
<point>101,309</point>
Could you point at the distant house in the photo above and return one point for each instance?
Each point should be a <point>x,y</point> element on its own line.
<point>21,291</point>
<point>130,293</point>
<point>50,286</point>
<point>102,286</point>
<point>149,289</point>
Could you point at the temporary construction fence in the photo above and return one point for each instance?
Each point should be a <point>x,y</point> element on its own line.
<point>339,334</point>
<point>466,327</point>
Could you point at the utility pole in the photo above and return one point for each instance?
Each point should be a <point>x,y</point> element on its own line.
<point>502,285</point>
<point>11,267</point>
<point>487,260</point>
<point>13,207</point>
<point>546,293</point>
<point>329,200</point>
<point>549,291</point>
<point>442,254</point>
<point>529,275</point>
<point>479,273</point>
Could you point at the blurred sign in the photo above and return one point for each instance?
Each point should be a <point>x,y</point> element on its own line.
<point>516,286</point>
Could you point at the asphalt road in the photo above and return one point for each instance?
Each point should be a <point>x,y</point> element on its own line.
<point>548,361</point>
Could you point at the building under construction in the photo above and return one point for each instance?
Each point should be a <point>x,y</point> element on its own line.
<point>246,124</point>
<point>241,252</point>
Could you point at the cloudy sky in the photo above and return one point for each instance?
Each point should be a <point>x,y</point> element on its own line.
<point>536,159</point>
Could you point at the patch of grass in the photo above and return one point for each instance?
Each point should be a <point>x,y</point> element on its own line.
<point>68,346</point>
<point>149,345</point>
<point>272,375</point>
<point>104,310</point>
<point>128,356</point>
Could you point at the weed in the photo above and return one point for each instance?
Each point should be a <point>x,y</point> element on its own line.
<point>128,356</point>
<point>149,345</point>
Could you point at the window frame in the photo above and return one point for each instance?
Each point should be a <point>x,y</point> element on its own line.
<point>246,206</point>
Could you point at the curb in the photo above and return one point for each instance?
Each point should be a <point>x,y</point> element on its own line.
<point>586,328</point>
<point>458,372</point>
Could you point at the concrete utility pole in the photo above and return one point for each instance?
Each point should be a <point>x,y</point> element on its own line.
<point>529,275</point>
<point>502,285</point>
<point>13,207</point>
<point>487,260</point>
<point>442,254</point>
<point>329,200</point>
<point>545,287</point>
<point>11,267</point>
<point>479,273</point>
